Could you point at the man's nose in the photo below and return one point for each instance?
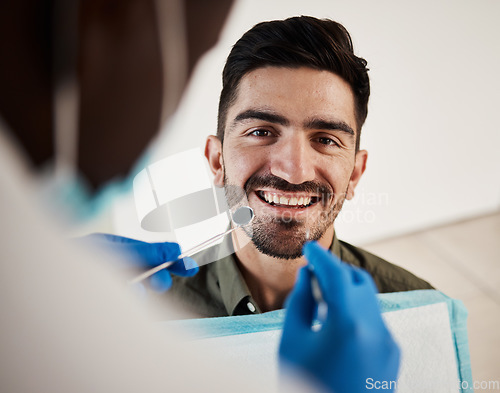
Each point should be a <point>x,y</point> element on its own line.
<point>292,159</point>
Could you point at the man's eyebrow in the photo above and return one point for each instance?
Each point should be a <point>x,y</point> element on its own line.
<point>320,124</point>
<point>261,115</point>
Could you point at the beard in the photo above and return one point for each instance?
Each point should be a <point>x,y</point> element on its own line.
<point>284,237</point>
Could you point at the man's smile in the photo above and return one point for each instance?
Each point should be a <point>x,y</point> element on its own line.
<point>287,199</point>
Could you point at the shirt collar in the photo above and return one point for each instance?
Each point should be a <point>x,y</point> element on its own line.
<point>233,288</point>
<point>335,246</point>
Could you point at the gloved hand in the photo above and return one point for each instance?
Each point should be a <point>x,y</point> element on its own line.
<point>148,255</point>
<point>353,343</point>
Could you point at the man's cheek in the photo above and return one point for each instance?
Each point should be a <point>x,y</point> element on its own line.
<point>235,194</point>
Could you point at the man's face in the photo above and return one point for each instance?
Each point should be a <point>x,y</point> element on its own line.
<point>290,141</point>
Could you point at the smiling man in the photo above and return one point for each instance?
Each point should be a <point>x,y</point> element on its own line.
<point>293,102</point>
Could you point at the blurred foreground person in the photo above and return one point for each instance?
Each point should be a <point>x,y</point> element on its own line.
<point>84,86</point>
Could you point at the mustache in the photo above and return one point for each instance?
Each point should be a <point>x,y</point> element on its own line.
<point>262,181</point>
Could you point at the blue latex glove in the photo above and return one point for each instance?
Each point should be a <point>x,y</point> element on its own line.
<point>353,344</point>
<point>148,255</point>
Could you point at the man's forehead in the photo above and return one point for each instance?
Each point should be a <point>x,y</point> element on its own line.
<point>262,76</point>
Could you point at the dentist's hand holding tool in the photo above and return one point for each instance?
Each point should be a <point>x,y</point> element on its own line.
<point>353,343</point>
<point>147,255</point>
<point>241,217</point>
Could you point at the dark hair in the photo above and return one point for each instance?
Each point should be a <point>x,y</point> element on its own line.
<point>302,41</point>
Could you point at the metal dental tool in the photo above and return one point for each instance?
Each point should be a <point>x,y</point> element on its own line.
<point>241,217</point>
<point>316,292</point>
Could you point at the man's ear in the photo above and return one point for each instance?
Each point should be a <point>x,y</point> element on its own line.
<point>213,153</point>
<point>359,168</point>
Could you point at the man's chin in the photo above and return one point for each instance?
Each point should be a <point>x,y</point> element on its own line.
<point>285,253</point>
<point>283,241</point>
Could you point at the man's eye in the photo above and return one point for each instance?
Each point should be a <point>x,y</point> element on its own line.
<point>327,141</point>
<point>261,133</point>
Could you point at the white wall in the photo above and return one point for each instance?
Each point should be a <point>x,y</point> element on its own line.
<point>432,129</point>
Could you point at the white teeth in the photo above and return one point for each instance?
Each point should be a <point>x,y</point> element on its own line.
<point>282,200</point>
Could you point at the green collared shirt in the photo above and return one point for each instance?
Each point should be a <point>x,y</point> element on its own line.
<point>219,289</point>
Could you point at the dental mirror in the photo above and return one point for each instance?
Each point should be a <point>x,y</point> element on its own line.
<point>243,216</point>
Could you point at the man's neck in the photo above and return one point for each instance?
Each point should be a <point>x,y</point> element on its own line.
<point>270,279</point>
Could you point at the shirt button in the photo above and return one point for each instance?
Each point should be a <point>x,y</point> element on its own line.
<point>251,307</point>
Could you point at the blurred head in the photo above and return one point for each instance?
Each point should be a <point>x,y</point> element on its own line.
<point>304,41</point>
<point>105,73</point>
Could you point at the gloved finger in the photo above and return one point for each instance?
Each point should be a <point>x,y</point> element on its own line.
<point>185,267</point>
<point>365,293</point>
<point>161,281</point>
<point>334,277</point>
<point>300,305</point>
<point>152,254</point>
<point>158,253</point>
<point>366,280</point>
<point>361,277</point>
